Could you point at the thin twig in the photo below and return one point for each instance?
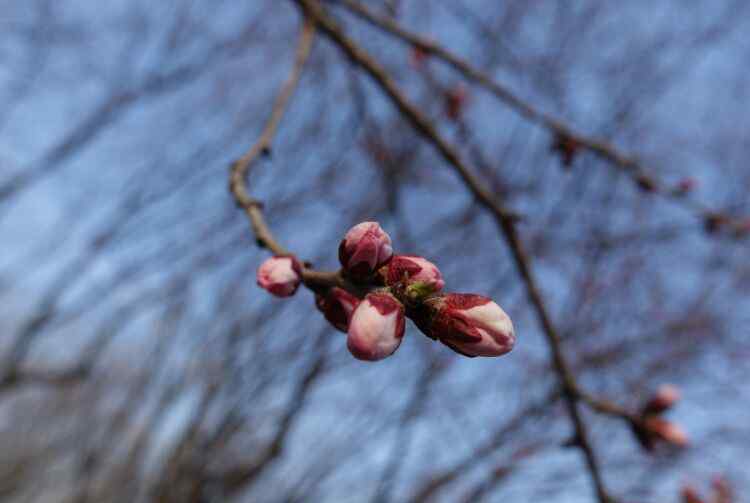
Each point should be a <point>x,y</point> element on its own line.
<point>262,147</point>
<point>503,217</point>
<point>241,167</point>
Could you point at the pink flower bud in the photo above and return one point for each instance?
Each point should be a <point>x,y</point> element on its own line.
<point>364,249</point>
<point>280,275</point>
<point>664,398</point>
<point>666,431</point>
<point>376,327</point>
<point>472,325</point>
<point>417,274</point>
<point>337,305</point>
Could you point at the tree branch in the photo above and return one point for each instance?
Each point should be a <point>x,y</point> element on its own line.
<point>503,217</point>
<point>240,169</point>
<point>564,134</point>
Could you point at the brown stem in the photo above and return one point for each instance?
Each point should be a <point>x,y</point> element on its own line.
<point>315,280</point>
<point>241,167</point>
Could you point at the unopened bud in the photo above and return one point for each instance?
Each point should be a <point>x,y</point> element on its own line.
<point>455,101</point>
<point>666,431</point>
<point>469,324</point>
<point>364,249</point>
<point>280,275</point>
<point>416,275</point>
<point>664,398</point>
<point>337,305</point>
<point>418,57</point>
<point>376,327</point>
<point>567,148</point>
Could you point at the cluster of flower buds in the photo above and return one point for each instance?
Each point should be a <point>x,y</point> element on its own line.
<point>652,429</point>
<point>395,287</point>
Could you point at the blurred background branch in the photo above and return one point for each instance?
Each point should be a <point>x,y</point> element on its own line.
<point>140,361</point>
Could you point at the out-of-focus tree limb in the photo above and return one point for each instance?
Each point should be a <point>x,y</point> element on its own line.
<point>504,218</point>
<point>240,475</point>
<point>641,175</point>
<point>436,482</point>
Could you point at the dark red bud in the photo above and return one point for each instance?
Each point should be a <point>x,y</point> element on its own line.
<point>418,57</point>
<point>567,148</point>
<point>455,101</point>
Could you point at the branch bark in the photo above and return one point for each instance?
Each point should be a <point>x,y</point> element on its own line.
<point>240,169</point>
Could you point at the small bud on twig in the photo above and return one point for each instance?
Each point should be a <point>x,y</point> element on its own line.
<point>664,398</point>
<point>418,57</point>
<point>365,248</point>
<point>567,148</point>
<point>659,429</point>
<point>280,275</point>
<point>455,101</point>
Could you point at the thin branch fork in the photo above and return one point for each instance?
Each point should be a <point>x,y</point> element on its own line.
<point>503,217</point>
<point>240,168</point>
